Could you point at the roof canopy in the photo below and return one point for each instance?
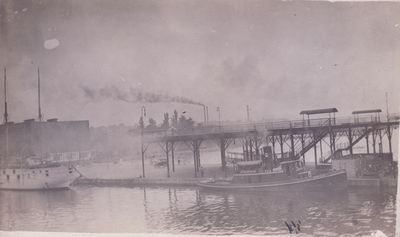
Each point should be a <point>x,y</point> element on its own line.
<point>367,111</point>
<point>319,111</point>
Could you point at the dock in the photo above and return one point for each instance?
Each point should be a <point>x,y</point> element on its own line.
<point>141,182</point>
<point>293,138</point>
<point>268,141</point>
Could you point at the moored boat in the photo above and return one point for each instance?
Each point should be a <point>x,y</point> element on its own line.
<point>38,177</point>
<point>18,172</point>
<point>289,177</point>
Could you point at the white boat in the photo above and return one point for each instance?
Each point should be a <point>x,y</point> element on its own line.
<point>17,173</point>
<point>39,177</point>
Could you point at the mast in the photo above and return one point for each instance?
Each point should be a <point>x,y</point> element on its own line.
<point>5,119</point>
<point>5,97</point>
<point>39,108</point>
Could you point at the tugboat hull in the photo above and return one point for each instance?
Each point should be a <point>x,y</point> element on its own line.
<point>328,180</point>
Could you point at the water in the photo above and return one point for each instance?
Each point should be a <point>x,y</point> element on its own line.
<point>193,211</point>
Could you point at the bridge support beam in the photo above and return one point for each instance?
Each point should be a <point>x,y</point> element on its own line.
<point>222,147</point>
<point>256,147</point>
<point>251,148</point>
<point>223,143</point>
<point>350,137</point>
<point>389,135</point>
<point>273,148</point>
<point>332,141</point>
<point>367,140</point>
<point>196,156</point>
<point>246,142</point>
<point>302,148</point>
<point>320,148</point>
<point>380,141</point>
<point>167,148</point>
<point>143,152</point>
<point>374,141</point>
<point>315,151</point>
<point>292,144</point>
<point>281,144</point>
<point>173,156</point>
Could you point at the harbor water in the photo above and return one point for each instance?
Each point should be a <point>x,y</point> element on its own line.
<point>355,211</point>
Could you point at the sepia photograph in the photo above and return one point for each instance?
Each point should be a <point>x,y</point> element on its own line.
<point>199,117</point>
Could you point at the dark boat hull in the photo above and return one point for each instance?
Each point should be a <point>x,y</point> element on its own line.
<point>329,180</point>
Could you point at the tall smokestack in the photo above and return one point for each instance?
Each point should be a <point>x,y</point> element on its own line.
<point>5,97</point>
<point>39,108</point>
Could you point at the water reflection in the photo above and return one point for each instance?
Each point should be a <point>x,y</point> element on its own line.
<point>260,212</point>
<point>183,210</point>
<point>19,208</point>
<point>325,212</point>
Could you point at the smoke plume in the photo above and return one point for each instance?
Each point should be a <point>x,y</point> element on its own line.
<point>133,96</point>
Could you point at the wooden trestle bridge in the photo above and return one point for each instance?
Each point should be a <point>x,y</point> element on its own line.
<point>287,139</point>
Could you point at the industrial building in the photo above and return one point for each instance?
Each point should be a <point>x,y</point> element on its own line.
<point>52,139</point>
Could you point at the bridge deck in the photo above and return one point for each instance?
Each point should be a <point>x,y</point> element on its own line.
<point>237,130</point>
<point>334,127</point>
<point>199,135</point>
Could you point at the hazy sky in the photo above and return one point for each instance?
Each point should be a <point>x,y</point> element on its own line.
<point>278,57</point>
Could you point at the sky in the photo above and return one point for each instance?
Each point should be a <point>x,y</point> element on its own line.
<point>98,58</point>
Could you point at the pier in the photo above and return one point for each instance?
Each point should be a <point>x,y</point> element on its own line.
<point>221,136</point>
<point>289,139</point>
<point>300,136</point>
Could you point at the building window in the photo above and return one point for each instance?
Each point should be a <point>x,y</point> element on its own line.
<point>47,173</point>
<point>18,177</point>
<point>4,171</point>
<point>8,177</point>
<point>13,171</point>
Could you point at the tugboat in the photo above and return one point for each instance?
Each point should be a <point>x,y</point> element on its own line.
<point>20,173</point>
<point>290,176</point>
